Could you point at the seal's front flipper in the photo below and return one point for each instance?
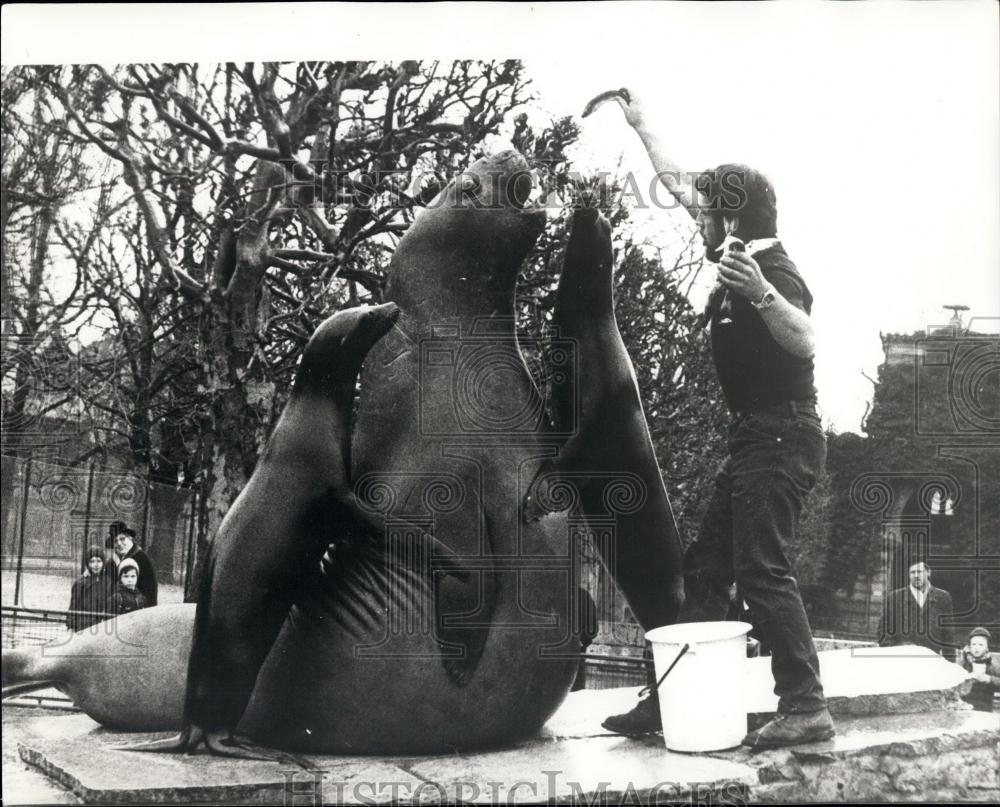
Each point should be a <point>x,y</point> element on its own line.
<point>366,526</point>
<point>239,747</point>
<point>541,498</point>
<point>184,743</point>
<point>464,615</point>
<point>555,487</point>
<point>217,743</point>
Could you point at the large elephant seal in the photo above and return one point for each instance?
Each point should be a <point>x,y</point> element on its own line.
<point>449,427</point>
<point>610,454</point>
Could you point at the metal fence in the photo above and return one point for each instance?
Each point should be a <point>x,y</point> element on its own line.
<point>52,513</point>
<point>27,627</point>
<point>607,672</point>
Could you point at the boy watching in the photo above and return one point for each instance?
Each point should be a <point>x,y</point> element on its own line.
<point>984,668</point>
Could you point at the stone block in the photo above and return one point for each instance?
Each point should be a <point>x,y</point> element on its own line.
<point>82,757</point>
<point>944,754</point>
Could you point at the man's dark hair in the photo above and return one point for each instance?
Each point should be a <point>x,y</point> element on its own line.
<point>739,190</point>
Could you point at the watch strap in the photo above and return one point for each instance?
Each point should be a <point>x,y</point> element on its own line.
<point>766,299</point>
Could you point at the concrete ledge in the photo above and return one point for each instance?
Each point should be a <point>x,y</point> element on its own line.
<point>868,681</point>
<point>943,755</point>
<point>939,749</point>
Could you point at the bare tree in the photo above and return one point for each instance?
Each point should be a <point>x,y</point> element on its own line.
<point>44,294</point>
<point>268,196</point>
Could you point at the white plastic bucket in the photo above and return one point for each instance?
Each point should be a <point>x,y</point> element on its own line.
<point>702,701</point>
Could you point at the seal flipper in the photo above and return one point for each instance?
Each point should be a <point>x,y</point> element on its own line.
<point>544,495</point>
<point>346,509</point>
<point>462,636</point>
<point>219,743</point>
<point>464,617</point>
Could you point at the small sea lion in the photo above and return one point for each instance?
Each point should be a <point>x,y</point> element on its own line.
<point>611,454</point>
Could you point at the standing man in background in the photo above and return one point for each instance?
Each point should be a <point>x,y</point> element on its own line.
<point>916,614</point>
<point>762,346</point>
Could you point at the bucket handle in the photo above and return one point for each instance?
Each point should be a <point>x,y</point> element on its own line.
<point>685,649</point>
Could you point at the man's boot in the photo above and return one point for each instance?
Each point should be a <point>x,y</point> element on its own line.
<point>792,729</point>
<point>644,717</point>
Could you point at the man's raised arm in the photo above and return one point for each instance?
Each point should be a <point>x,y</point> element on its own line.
<point>674,179</point>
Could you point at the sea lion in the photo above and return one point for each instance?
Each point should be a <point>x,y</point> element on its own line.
<point>610,456</point>
<point>297,505</point>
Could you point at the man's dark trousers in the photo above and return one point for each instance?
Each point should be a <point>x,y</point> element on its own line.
<point>775,456</point>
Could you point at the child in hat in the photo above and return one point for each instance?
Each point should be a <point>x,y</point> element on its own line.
<point>128,598</point>
<point>984,668</point>
<point>90,597</point>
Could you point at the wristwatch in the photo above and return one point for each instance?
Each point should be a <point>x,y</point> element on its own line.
<point>767,298</point>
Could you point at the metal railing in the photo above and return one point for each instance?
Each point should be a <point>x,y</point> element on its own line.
<point>31,627</point>
<point>607,672</point>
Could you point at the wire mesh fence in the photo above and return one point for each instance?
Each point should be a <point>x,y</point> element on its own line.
<point>29,627</point>
<point>52,513</point>
<point>26,627</point>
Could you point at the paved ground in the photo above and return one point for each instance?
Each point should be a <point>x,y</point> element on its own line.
<point>21,783</point>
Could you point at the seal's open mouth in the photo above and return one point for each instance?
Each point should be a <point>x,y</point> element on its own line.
<point>537,197</point>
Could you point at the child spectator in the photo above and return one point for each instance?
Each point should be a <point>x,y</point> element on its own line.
<point>90,597</point>
<point>128,598</point>
<point>127,549</point>
<point>984,667</point>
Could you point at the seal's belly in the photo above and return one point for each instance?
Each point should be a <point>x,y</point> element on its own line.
<point>358,667</point>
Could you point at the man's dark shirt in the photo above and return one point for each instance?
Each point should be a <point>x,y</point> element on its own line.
<point>904,622</point>
<point>754,370</point>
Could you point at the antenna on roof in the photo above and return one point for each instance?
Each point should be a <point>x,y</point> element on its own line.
<point>956,317</point>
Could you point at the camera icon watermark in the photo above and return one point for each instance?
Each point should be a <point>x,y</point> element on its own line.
<point>467,380</point>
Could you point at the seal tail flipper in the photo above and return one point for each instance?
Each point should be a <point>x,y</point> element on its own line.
<point>240,747</point>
